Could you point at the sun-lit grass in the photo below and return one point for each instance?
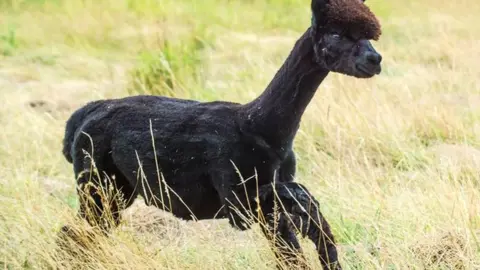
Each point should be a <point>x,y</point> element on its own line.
<point>394,160</point>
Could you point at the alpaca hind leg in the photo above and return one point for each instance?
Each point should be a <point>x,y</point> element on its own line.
<point>104,197</point>
<point>95,187</point>
<point>92,203</point>
<point>96,194</point>
<point>93,206</point>
<point>297,207</point>
<point>125,193</point>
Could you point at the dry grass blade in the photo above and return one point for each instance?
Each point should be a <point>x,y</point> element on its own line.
<point>393,161</point>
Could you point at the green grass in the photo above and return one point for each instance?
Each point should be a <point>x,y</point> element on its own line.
<point>170,69</point>
<point>393,160</point>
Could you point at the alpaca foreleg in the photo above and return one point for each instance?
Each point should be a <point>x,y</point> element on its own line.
<point>294,209</point>
<point>234,201</point>
<point>318,231</point>
<point>280,232</point>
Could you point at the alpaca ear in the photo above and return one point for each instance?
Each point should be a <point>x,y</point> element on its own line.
<point>319,5</point>
<point>318,11</point>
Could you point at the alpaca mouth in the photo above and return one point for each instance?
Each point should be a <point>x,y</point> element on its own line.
<point>368,71</point>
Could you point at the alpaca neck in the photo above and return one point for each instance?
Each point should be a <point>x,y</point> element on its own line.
<point>275,115</point>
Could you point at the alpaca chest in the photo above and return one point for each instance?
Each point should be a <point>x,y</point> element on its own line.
<point>258,164</point>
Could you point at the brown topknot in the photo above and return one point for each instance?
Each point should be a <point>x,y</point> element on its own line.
<point>354,17</point>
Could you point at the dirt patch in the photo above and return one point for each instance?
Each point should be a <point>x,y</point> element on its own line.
<point>442,249</point>
<point>149,219</point>
<point>54,107</point>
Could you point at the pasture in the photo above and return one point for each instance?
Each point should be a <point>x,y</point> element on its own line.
<point>393,160</point>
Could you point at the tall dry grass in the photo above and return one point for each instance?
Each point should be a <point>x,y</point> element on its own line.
<point>393,160</point>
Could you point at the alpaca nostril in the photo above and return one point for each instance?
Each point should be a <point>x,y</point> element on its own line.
<point>374,58</point>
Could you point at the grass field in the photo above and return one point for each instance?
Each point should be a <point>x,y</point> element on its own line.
<point>394,160</point>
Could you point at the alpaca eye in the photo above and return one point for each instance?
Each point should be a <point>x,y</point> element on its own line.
<point>336,36</point>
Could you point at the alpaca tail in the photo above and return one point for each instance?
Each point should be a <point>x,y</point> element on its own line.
<point>74,123</point>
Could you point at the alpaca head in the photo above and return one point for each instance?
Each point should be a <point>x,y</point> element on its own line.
<point>342,30</point>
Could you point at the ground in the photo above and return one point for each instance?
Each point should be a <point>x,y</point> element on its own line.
<point>393,160</point>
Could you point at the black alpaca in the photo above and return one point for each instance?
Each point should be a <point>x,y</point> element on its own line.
<point>201,147</point>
